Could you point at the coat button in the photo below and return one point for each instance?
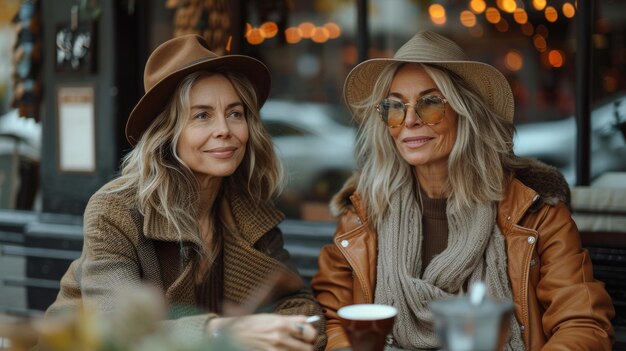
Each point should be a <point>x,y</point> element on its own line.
<point>531,240</point>
<point>508,218</point>
<point>521,328</point>
<point>345,243</point>
<point>358,221</point>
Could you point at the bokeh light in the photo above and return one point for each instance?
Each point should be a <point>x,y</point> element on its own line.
<point>269,29</point>
<point>609,83</point>
<point>502,26</point>
<point>477,31</point>
<point>539,4</point>
<point>255,37</point>
<point>292,35</point>
<point>542,30</point>
<point>493,15</point>
<point>513,60</point>
<point>507,5</point>
<point>527,29</point>
<point>555,58</point>
<point>306,29</point>
<point>334,31</point>
<point>540,43</point>
<point>437,14</point>
<point>551,14</point>
<point>478,6</point>
<point>319,35</point>
<point>568,10</point>
<point>520,16</point>
<point>467,18</point>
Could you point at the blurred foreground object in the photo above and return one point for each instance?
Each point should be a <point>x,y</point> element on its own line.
<point>134,325</point>
<point>472,322</point>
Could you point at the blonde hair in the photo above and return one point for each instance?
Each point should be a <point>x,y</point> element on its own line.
<point>479,163</point>
<point>160,181</point>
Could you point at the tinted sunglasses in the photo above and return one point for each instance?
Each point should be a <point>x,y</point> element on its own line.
<point>430,110</point>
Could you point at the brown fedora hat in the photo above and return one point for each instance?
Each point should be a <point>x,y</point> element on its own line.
<point>175,59</point>
<point>432,48</point>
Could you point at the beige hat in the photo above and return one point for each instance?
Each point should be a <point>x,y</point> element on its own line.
<point>432,48</point>
<point>175,59</point>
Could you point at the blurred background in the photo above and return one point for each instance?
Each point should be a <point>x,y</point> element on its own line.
<point>309,46</point>
<point>72,70</point>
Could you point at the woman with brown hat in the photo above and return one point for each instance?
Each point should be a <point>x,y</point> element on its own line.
<point>191,212</point>
<point>441,201</point>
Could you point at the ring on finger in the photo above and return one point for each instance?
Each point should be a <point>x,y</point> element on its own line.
<point>300,328</point>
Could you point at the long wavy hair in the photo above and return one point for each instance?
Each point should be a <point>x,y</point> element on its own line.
<point>161,182</point>
<point>478,166</point>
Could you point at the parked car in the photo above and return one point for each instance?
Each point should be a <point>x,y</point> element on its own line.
<point>555,142</point>
<point>316,144</point>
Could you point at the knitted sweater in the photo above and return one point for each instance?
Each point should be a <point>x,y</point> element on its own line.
<point>123,248</point>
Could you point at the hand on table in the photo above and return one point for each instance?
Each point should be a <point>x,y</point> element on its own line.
<point>268,332</point>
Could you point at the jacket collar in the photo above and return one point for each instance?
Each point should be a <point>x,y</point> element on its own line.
<point>252,220</point>
<point>532,186</point>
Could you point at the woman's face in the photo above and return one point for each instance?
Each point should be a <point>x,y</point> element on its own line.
<point>419,144</point>
<point>213,141</point>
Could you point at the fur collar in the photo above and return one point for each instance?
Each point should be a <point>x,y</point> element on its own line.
<point>546,180</point>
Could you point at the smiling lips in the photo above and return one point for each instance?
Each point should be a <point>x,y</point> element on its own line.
<point>222,152</point>
<point>416,142</point>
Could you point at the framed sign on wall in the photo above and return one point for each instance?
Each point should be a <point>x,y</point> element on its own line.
<point>76,132</point>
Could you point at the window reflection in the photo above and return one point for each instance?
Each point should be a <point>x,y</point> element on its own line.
<point>309,47</point>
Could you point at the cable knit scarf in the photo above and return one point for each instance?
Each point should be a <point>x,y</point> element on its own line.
<point>476,251</point>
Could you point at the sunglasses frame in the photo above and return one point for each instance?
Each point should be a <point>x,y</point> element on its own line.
<point>414,105</point>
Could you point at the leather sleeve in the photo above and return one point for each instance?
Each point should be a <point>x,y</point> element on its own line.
<point>333,285</point>
<point>577,308</point>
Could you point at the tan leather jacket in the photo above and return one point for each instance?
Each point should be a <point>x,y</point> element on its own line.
<point>558,303</point>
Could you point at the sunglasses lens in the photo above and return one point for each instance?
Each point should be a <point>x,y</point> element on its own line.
<point>392,112</point>
<point>431,109</point>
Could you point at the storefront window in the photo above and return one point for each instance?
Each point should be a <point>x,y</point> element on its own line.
<point>309,47</point>
<point>533,43</point>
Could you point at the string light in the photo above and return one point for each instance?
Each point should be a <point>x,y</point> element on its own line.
<point>555,58</point>
<point>539,4</point>
<point>520,16</point>
<point>319,35</point>
<point>334,31</point>
<point>255,37</point>
<point>269,29</point>
<point>568,10</point>
<point>292,35</point>
<point>478,6</point>
<point>493,15</point>
<point>306,29</point>
<point>527,29</point>
<point>437,14</point>
<point>540,43</point>
<point>467,18</point>
<point>513,60</point>
<point>551,14</point>
<point>502,26</point>
<point>507,5</point>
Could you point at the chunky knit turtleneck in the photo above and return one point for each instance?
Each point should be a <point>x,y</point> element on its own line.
<point>435,224</point>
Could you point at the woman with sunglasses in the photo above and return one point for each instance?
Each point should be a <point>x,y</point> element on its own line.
<point>440,202</point>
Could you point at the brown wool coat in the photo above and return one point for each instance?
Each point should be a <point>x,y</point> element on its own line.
<point>122,247</point>
<point>558,303</point>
